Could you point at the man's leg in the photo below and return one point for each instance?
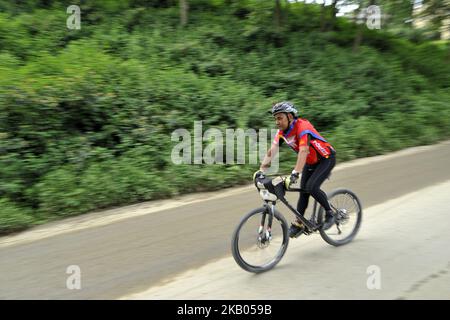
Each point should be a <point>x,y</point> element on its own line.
<point>319,175</point>
<point>303,199</point>
<point>297,227</point>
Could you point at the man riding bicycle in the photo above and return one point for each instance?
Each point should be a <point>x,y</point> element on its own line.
<point>316,158</point>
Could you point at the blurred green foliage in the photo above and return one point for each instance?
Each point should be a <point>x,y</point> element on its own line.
<point>86,115</point>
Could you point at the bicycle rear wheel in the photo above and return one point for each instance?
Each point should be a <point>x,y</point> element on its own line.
<point>348,219</point>
<point>251,248</point>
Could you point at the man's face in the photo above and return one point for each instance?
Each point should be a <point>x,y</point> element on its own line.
<point>282,120</point>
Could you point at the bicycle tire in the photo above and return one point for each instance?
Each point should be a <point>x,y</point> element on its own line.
<point>235,243</point>
<point>323,233</point>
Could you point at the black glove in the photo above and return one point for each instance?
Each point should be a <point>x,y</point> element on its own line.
<point>258,175</point>
<point>294,177</point>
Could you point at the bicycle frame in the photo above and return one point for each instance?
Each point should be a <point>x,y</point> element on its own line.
<point>310,225</point>
<point>306,222</point>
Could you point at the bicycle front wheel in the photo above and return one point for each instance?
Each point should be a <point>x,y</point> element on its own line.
<point>255,249</point>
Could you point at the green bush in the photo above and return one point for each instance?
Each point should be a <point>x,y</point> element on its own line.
<point>14,218</point>
<point>59,193</point>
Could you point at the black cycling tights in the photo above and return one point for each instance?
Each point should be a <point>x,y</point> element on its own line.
<point>312,178</point>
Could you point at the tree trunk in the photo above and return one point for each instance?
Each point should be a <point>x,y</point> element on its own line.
<point>358,38</point>
<point>334,11</point>
<point>359,32</point>
<point>323,22</point>
<point>411,15</point>
<point>286,13</point>
<point>277,15</point>
<point>184,12</point>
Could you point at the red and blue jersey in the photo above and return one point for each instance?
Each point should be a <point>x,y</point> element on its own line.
<point>298,134</point>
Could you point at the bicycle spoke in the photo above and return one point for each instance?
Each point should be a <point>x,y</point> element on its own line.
<point>254,248</point>
<point>347,217</point>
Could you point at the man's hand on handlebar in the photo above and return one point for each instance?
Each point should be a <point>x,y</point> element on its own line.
<point>258,175</point>
<point>294,177</point>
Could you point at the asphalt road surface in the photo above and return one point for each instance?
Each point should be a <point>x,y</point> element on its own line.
<point>180,249</point>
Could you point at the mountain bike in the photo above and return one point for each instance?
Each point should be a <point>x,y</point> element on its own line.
<point>261,238</point>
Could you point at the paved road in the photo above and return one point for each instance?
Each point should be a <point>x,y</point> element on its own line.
<point>401,252</point>
<point>128,250</point>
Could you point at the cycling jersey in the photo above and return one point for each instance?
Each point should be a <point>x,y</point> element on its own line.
<point>298,134</point>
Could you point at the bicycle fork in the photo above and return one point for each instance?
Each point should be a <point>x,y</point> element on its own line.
<point>266,235</point>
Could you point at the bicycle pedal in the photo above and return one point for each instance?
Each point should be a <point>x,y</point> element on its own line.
<point>296,235</point>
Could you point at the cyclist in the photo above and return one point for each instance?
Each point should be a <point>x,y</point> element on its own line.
<point>315,160</point>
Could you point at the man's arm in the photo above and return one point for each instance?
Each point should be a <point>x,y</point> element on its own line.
<point>269,156</point>
<point>302,153</point>
<point>301,158</point>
